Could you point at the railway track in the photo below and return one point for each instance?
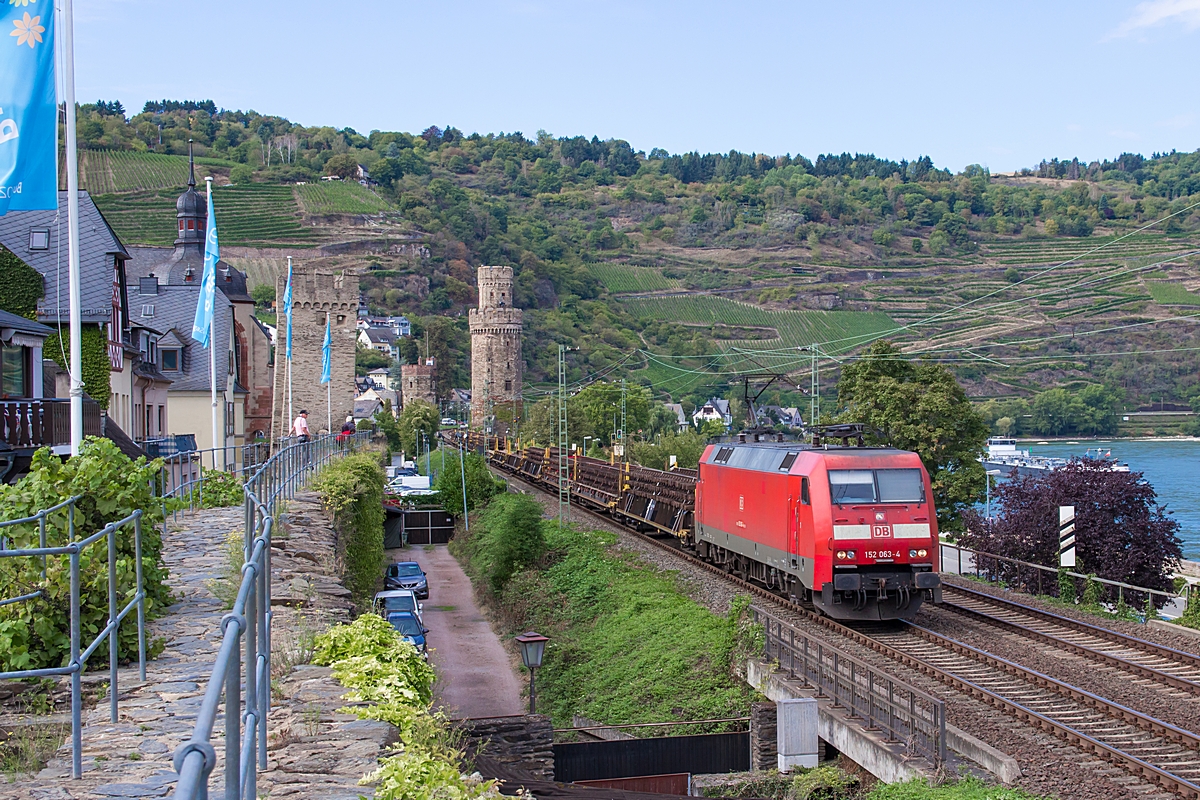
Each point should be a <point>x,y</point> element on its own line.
<point>1142,746</point>
<point>1157,663</point>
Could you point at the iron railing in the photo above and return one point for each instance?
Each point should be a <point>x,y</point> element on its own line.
<point>1042,580</point>
<point>900,712</point>
<point>80,654</point>
<point>184,472</point>
<point>244,658</point>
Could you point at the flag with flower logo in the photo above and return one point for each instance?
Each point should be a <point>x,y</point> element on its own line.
<point>28,107</point>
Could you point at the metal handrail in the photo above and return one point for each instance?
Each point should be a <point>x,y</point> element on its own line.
<point>1016,566</point>
<point>183,473</point>
<point>898,710</point>
<point>244,658</point>
<point>111,631</point>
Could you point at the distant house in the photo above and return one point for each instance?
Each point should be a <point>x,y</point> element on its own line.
<point>775,415</point>
<point>381,377</point>
<point>714,409</point>
<point>382,340</point>
<point>680,416</point>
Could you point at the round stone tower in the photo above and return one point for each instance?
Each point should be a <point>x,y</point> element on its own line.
<point>496,365</point>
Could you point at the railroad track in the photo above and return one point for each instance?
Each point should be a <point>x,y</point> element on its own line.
<point>1163,665</point>
<point>1144,747</point>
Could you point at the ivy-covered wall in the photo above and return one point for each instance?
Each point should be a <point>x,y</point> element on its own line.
<point>21,287</point>
<point>95,360</point>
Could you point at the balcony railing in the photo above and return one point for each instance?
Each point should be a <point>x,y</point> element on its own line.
<point>44,422</point>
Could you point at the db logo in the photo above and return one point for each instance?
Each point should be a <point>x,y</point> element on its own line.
<point>881,531</point>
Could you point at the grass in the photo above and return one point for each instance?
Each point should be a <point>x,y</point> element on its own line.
<point>1172,294</point>
<point>26,748</point>
<point>665,656</point>
<point>339,197</point>
<point>621,278</point>
<point>842,330</point>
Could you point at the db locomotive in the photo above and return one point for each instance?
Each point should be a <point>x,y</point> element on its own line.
<point>850,529</point>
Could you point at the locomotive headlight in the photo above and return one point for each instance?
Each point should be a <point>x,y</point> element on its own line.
<point>850,554</point>
<point>922,553</point>
<point>912,553</point>
<point>841,554</point>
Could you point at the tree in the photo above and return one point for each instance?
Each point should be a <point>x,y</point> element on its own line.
<point>367,359</point>
<point>1122,533</point>
<point>512,538</point>
<point>919,406</point>
<point>481,484</point>
<point>385,422</point>
<point>263,295</point>
<point>916,245</point>
<point>344,165</point>
<point>687,447</point>
<point>416,418</point>
<point>600,404</point>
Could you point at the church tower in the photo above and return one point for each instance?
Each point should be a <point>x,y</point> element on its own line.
<point>496,364</point>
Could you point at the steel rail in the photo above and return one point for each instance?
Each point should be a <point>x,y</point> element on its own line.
<point>1126,761</point>
<point>1078,649</point>
<point>1181,656</point>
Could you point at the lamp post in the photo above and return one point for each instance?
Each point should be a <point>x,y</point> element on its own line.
<point>533,645</point>
<point>988,479</point>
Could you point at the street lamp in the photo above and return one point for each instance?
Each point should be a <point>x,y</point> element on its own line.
<point>988,480</point>
<point>533,645</point>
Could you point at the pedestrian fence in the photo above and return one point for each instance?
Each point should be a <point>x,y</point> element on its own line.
<point>1039,579</point>
<point>879,702</point>
<point>185,471</point>
<point>243,661</point>
<point>61,519</point>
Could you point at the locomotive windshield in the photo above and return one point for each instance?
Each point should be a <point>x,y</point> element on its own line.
<point>876,486</point>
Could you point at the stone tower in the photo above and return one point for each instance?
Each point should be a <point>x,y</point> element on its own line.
<point>315,293</point>
<point>417,382</point>
<point>496,364</point>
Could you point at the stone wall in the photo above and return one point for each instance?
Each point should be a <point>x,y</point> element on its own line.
<point>315,293</point>
<point>763,745</point>
<point>523,743</point>
<point>417,383</point>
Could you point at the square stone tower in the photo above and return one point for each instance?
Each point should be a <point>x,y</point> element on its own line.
<point>496,364</point>
<point>316,293</point>
<point>417,382</point>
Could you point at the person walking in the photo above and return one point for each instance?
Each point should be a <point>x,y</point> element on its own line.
<point>300,426</point>
<point>348,428</point>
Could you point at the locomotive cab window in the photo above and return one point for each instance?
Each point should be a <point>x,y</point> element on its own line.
<point>852,486</point>
<point>804,496</point>
<point>787,462</point>
<point>900,486</point>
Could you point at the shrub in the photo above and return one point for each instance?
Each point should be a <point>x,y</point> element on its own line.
<point>481,484</point>
<point>220,489</point>
<point>511,538</point>
<point>36,634</point>
<point>352,490</point>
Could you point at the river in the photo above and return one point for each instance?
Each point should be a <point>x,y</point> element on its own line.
<point>1171,467</point>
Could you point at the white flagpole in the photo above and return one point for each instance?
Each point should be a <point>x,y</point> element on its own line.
<point>287,332</point>
<point>329,385</point>
<point>212,355</point>
<point>67,47</point>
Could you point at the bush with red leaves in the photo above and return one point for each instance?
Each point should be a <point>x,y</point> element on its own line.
<point>1122,532</point>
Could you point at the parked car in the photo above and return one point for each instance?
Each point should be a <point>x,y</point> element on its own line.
<point>448,422</point>
<point>409,626</point>
<point>407,575</point>
<point>393,600</point>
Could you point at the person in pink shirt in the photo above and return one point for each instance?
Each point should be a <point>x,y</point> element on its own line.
<point>300,426</point>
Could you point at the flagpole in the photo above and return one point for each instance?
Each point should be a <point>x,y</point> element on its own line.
<point>212,354</point>
<point>328,391</point>
<point>67,33</point>
<point>291,416</point>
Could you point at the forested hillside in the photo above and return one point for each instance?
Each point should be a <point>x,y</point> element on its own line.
<point>707,263</point>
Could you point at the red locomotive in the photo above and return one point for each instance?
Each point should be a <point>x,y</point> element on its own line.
<point>851,529</point>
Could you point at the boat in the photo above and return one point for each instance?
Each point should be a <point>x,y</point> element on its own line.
<point>1004,456</point>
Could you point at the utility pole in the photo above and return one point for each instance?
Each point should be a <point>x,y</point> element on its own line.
<point>624,434</point>
<point>814,391</point>
<point>564,490</point>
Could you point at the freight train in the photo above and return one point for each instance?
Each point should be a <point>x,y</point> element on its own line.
<point>850,529</point>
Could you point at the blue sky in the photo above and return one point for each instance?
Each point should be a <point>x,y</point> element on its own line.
<point>1003,84</point>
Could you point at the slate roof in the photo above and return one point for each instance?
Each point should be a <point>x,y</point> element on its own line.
<point>21,325</point>
<point>174,312</point>
<point>98,244</point>
<point>381,335</point>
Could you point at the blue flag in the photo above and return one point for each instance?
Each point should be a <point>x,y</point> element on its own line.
<point>287,310</point>
<point>28,108</point>
<point>208,281</point>
<point>327,355</point>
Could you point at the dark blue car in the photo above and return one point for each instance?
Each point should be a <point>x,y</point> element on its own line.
<point>408,626</point>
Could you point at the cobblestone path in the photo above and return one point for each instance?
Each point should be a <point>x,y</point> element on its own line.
<point>314,752</point>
